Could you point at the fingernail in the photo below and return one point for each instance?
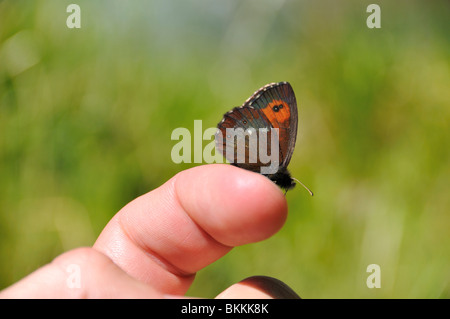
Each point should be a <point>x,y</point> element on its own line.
<point>273,287</point>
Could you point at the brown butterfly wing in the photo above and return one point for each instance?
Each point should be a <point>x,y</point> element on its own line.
<point>272,106</point>
<point>240,120</point>
<point>278,103</point>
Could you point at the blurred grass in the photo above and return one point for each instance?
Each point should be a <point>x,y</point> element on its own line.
<point>86,117</point>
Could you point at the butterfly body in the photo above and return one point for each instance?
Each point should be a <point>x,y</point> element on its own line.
<point>283,179</point>
<point>271,109</point>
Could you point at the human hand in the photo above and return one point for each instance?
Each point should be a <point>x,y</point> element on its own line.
<point>153,247</point>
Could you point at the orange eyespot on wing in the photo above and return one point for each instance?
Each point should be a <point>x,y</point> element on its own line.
<point>278,113</point>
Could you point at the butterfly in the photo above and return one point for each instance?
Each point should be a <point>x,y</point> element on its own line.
<point>270,114</point>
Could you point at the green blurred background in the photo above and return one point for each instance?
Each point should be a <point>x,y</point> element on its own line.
<point>86,117</point>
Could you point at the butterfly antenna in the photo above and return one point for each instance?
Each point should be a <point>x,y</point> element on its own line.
<point>310,193</point>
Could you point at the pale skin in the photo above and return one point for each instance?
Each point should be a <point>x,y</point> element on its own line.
<point>153,247</point>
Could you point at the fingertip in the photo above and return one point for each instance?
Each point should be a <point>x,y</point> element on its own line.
<point>233,205</point>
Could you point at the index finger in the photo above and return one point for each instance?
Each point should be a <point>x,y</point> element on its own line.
<point>165,236</point>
